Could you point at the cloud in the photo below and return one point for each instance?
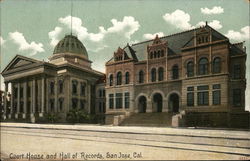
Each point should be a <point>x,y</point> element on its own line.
<point>20,40</point>
<point>54,36</point>
<point>241,35</point>
<point>178,18</point>
<point>152,36</point>
<point>214,24</point>
<point>2,41</point>
<point>214,10</point>
<point>96,41</point>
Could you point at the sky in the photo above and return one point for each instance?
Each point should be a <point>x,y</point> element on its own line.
<point>33,27</point>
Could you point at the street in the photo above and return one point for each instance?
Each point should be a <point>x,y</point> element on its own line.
<point>93,142</point>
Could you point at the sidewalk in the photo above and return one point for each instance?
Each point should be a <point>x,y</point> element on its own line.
<point>234,134</point>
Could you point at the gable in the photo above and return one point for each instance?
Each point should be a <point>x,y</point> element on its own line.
<point>20,62</point>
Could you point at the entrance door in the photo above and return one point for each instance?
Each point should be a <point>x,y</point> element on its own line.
<point>157,102</point>
<point>174,102</point>
<point>142,104</point>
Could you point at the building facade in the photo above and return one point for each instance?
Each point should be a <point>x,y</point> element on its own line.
<point>65,82</point>
<point>194,71</point>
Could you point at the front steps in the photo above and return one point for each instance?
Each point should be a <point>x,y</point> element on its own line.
<point>163,119</point>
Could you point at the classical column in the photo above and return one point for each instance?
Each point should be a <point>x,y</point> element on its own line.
<point>5,98</point>
<point>25,99</point>
<point>18,101</point>
<point>11,100</point>
<point>42,97</point>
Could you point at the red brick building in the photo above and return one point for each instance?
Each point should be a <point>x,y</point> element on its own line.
<point>196,71</point>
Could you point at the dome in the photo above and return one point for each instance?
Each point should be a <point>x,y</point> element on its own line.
<point>70,44</point>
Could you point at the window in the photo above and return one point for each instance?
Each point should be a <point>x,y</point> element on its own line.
<point>237,71</point>
<point>160,74</point>
<point>190,96</point>
<point>74,86</point>
<point>175,72</point>
<point>141,77</point>
<point>202,95</point>
<point>82,104</point>
<point>217,65</point>
<point>52,108</point>
<point>190,69</point>
<point>52,87</point>
<point>151,55</point>
<point>203,66</point>
<point>111,101</point>
<point>119,78</point>
<point>162,53</point>
<point>100,107</point>
<point>190,99</point>
<point>153,75</point>
<point>60,104</point>
<point>236,97</point>
<point>127,78</point>
<point>158,54</point>
<point>111,80</point>
<point>83,89</point>
<point>118,100</point>
<point>103,93</point>
<point>21,107</point>
<point>100,93</point>
<point>21,92</point>
<point>60,86</point>
<point>126,100</point>
<point>216,97</point>
<point>29,91</point>
<point>74,103</point>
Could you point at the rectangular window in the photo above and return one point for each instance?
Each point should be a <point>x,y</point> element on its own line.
<point>202,98</point>
<point>83,89</point>
<point>21,92</point>
<point>190,88</point>
<point>100,107</point>
<point>74,86</point>
<point>100,93</point>
<point>216,86</point>
<point>236,97</point>
<point>216,97</point>
<point>118,100</point>
<point>127,100</point>
<point>190,99</point>
<point>237,71</point>
<point>205,87</point>
<point>111,101</point>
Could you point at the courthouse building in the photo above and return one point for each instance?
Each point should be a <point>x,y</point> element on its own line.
<point>193,71</point>
<point>65,82</point>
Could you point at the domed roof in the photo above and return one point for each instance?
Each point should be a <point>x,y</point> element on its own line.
<point>70,44</point>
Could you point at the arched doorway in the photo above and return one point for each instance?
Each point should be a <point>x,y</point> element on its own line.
<point>142,105</point>
<point>157,102</point>
<point>174,102</point>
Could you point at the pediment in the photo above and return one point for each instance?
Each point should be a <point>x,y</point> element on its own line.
<point>20,62</point>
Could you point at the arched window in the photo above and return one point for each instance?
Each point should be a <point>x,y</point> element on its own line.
<point>162,53</point>
<point>158,54</point>
<point>217,65</point>
<point>119,78</point>
<point>203,66</point>
<point>127,78</point>
<point>175,72</point>
<point>141,76</point>
<point>111,80</point>
<point>153,75</point>
<point>160,74</point>
<point>151,55</point>
<point>155,54</point>
<point>190,69</point>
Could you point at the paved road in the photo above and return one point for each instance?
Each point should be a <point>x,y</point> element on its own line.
<point>47,142</point>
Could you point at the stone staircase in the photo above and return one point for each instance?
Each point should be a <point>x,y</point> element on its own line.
<point>148,119</point>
